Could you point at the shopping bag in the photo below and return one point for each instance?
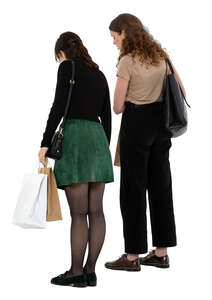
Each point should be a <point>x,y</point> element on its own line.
<point>31,206</point>
<point>53,203</point>
<point>117,161</point>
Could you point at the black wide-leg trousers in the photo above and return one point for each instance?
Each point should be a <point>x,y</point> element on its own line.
<point>145,167</point>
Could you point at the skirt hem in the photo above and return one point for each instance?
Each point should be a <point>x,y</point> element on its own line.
<point>62,186</point>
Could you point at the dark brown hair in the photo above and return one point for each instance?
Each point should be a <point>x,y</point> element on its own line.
<point>138,40</point>
<point>71,44</point>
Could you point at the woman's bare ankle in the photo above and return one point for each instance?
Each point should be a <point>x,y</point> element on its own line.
<point>132,256</point>
<point>161,251</point>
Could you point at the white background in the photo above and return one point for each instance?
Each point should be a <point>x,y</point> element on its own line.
<point>30,258</point>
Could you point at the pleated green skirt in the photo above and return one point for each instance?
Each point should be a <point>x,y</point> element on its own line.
<point>86,154</point>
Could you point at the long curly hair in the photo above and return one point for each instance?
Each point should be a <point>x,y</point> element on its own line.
<point>138,40</point>
<point>73,47</point>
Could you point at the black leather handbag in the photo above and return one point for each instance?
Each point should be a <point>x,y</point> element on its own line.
<point>55,150</point>
<point>175,112</point>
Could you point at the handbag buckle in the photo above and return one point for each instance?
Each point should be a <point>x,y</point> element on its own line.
<point>60,131</point>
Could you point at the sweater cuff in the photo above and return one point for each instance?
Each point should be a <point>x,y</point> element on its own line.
<point>44,144</point>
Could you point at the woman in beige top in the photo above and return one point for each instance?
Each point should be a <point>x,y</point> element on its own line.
<point>143,145</point>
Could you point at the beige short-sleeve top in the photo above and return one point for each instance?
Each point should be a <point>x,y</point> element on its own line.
<point>145,82</point>
<point>145,85</point>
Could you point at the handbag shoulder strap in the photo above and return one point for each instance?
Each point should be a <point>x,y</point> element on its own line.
<point>169,63</point>
<point>165,80</point>
<point>72,82</point>
<point>172,71</point>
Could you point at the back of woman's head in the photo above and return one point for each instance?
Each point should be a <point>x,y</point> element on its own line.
<point>71,44</point>
<point>138,40</point>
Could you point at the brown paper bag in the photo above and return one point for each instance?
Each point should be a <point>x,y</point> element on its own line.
<point>117,154</point>
<point>53,203</point>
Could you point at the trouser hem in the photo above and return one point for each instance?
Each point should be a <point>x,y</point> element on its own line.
<point>135,251</point>
<point>164,245</point>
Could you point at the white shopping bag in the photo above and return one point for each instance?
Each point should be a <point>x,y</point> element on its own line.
<point>30,211</point>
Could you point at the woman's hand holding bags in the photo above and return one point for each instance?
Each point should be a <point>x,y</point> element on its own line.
<point>53,203</point>
<point>38,200</point>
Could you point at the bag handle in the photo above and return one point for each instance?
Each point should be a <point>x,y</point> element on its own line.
<point>172,72</point>
<point>43,165</point>
<point>170,65</point>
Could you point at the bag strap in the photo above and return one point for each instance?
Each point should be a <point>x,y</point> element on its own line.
<point>165,81</point>
<point>72,82</point>
<point>170,65</point>
<point>172,71</point>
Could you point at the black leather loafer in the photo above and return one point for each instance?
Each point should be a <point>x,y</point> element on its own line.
<point>75,281</point>
<point>91,279</point>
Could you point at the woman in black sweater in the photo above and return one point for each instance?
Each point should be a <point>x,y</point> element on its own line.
<point>86,163</point>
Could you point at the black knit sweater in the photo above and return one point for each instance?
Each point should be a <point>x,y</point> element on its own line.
<point>90,98</point>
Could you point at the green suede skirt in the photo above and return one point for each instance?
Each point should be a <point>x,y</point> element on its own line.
<point>86,154</point>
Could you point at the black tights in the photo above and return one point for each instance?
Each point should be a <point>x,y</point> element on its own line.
<point>85,200</point>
